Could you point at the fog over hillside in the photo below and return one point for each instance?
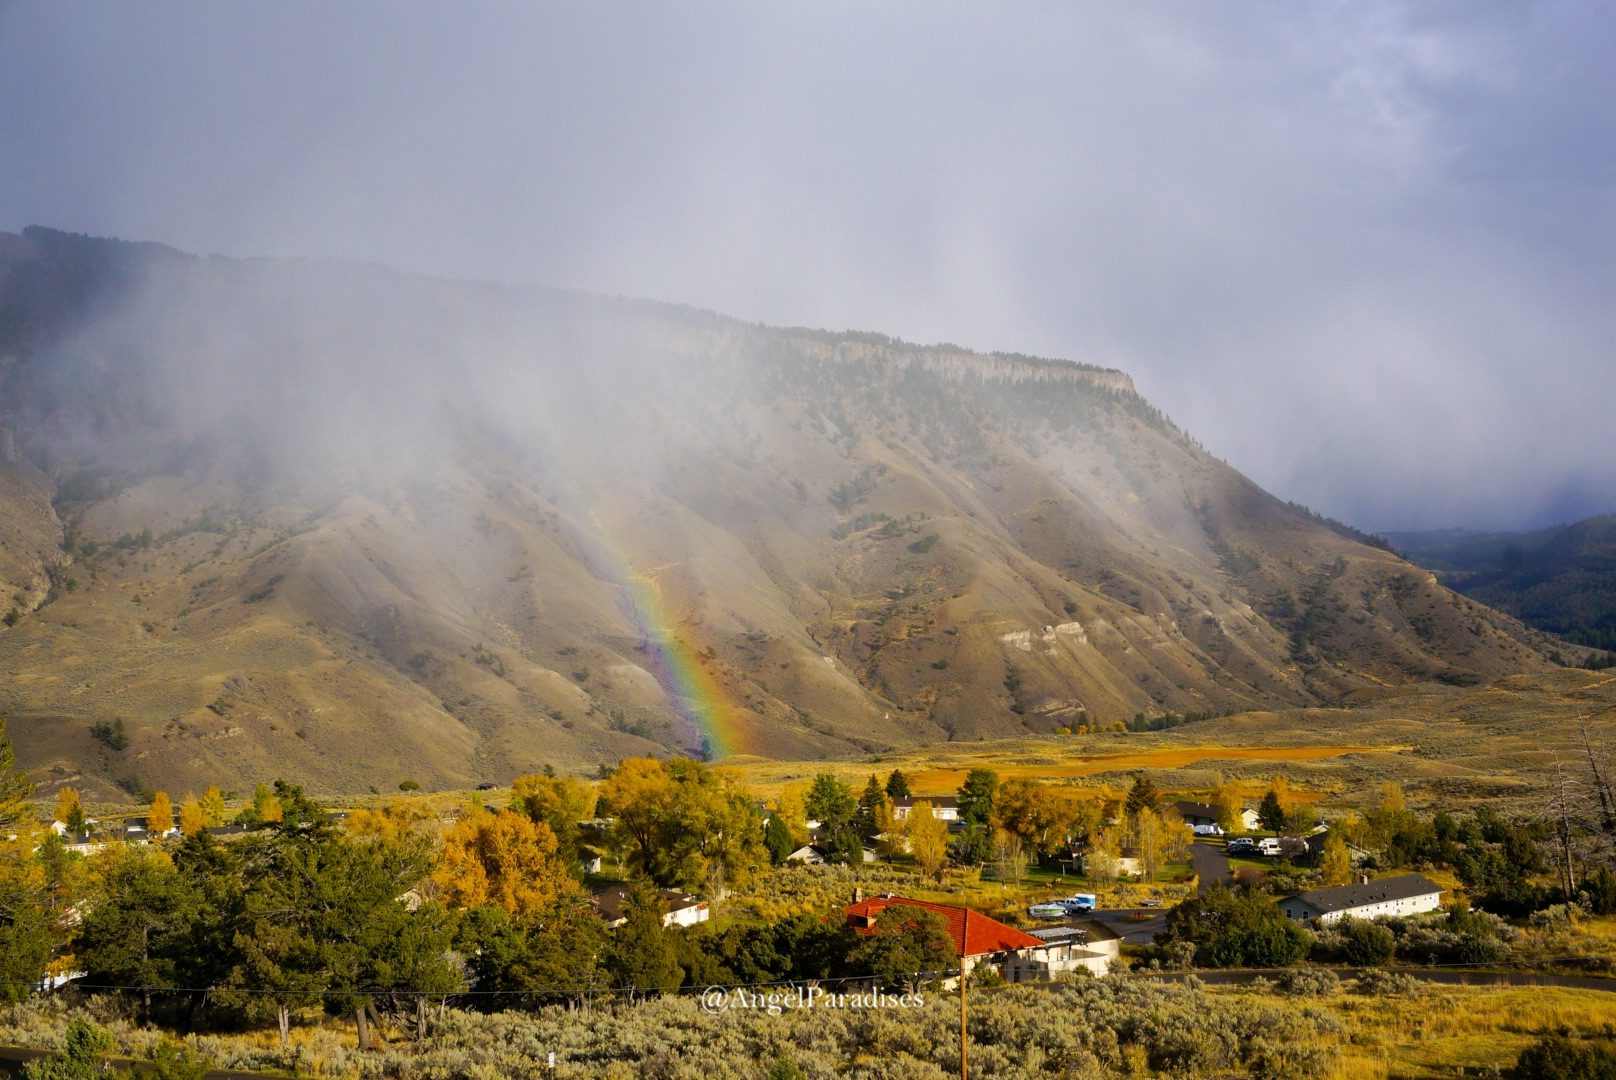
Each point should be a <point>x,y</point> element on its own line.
<point>367,526</point>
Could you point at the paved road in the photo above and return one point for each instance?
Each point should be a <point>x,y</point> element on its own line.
<point>1209,863</point>
<point>1141,932</point>
<point>13,1058</point>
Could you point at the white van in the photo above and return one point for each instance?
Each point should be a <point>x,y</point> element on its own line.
<point>1269,846</point>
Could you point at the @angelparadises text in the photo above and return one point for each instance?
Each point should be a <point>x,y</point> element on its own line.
<point>717,999</point>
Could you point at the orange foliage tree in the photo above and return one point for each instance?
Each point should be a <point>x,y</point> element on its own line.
<point>502,858</point>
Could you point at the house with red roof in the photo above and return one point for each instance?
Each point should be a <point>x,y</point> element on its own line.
<point>1016,955</point>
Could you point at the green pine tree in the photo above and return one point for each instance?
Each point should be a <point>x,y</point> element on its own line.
<point>898,785</point>
<point>777,838</point>
<point>639,956</point>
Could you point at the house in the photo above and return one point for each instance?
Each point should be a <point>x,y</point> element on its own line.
<point>1315,847</point>
<point>1406,894</point>
<point>84,843</point>
<point>1014,954</point>
<point>588,859</point>
<point>1249,820</point>
<point>1086,945</point>
<point>944,807</point>
<point>819,854</point>
<point>1196,813</point>
<point>681,909</point>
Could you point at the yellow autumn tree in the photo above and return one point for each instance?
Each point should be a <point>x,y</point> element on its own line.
<point>267,805</point>
<point>213,806</point>
<point>889,830</point>
<point>502,858</point>
<point>193,819</point>
<point>1149,836</point>
<point>1042,816</point>
<point>1335,863</point>
<point>561,802</point>
<point>1282,788</point>
<point>70,809</point>
<point>928,838</point>
<point>389,823</point>
<point>1228,801</point>
<point>789,805</point>
<point>160,816</point>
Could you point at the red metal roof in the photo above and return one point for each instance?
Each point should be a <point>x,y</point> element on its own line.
<point>974,934</point>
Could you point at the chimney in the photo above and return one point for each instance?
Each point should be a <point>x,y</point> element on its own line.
<point>1363,879</point>
<point>858,895</point>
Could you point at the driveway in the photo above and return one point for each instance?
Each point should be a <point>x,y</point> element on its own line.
<point>1209,863</point>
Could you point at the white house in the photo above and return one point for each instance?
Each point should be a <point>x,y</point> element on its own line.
<point>1406,894</point>
<point>819,855</point>
<point>943,807</point>
<point>84,843</point>
<point>680,909</point>
<point>1089,946</point>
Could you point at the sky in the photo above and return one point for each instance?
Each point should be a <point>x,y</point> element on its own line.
<point>1364,251</point>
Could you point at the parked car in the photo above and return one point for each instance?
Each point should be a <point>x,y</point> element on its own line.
<point>1048,911</point>
<point>1241,845</point>
<point>1152,902</point>
<point>1269,846</point>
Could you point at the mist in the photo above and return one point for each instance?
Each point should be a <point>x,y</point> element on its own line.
<point>1364,253</point>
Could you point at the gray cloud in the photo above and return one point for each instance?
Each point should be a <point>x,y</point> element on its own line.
<point>1363,251</point>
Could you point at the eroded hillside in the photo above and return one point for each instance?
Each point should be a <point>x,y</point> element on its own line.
<point>360,527</point>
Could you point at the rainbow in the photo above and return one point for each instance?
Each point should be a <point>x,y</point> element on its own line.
<point>699,701</point>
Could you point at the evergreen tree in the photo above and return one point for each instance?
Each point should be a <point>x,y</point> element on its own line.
<point>898,785</point>
<point>1142,796</point>
<point>139,923</point>
<point>908,947</point>
<point>777,838</point>
<point>874,796</point>
<point>70,810</point>
<point>847,849</point>
<point>1271,814</point>
<point>976,796</point>
<point>639,956</point>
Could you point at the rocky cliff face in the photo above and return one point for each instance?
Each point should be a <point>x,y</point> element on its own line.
<point>360,527</point>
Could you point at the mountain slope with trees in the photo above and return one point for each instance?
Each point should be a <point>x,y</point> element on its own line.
<point>1560,580</point>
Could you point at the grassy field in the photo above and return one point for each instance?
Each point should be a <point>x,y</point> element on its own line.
<point>1450,747</point>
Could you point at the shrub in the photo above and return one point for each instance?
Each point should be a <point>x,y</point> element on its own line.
<point>1376,983</point>
<point>1366,944</point>
<point>1308,981</point>
<point>80,1056</point>
<point>1558,1058</point>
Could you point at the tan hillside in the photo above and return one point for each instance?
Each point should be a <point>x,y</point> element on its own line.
<point>358,527</point>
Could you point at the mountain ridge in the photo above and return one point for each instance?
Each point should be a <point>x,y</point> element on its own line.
<point>378,527</point>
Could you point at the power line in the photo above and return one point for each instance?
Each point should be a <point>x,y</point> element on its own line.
<point>837,980</point>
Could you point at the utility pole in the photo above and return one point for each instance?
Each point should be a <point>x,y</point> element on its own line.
<point>965,935</point>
